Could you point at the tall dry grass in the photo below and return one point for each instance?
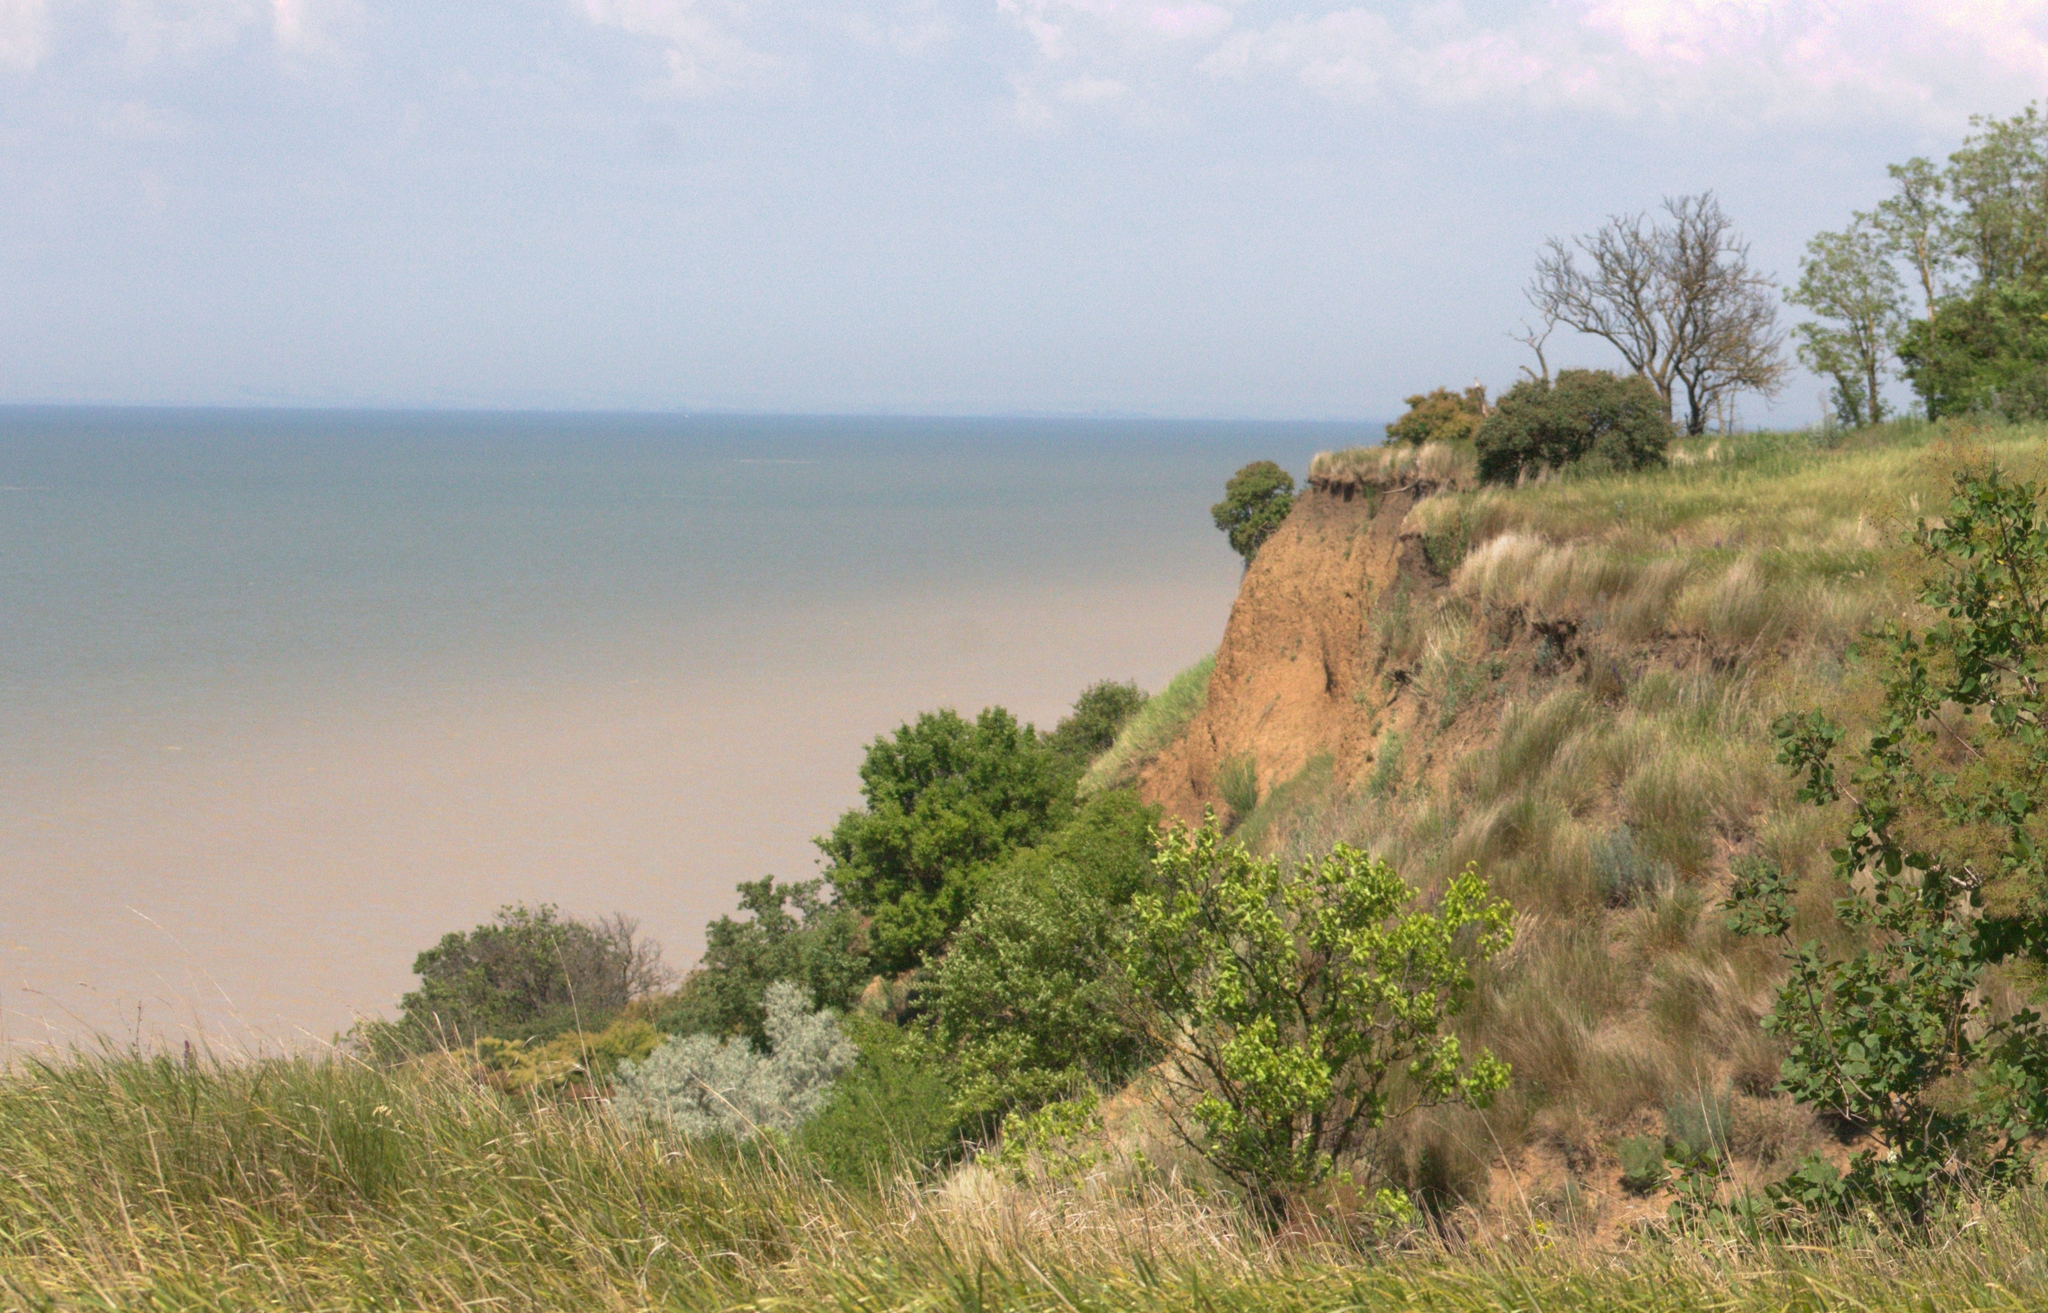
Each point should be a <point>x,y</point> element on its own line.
<point>133,1182</point>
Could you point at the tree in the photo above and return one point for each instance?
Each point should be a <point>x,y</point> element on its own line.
<point>529,973</point>
<point>1287,1002</point>
<point>1916,225</point>
<point>1255,502</point>
<point>1999,179</point>
<point>1440,416</point>
<point>1985,351</point>
<point>1025,998</point>
<point>791,934</point>
<point>1586,415</point>
<point>1099,715</point>
<point>946,800</point>
<point>1848,278</point>
<point>1678,300</point>
<point>1944,872</point>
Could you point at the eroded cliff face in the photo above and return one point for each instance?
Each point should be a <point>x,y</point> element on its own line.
<point>1302,669</point>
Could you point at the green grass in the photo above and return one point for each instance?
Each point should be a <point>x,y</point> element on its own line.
<point>132,1182</point>
<point>1155,726</point>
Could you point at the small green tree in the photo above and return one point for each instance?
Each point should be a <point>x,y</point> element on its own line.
<point>791,933</point>
<point>946,800</point>
<point>1849,280</point>
<point>1288,1002</point>
<point>1585,415</point>
<point>1255,502</point>
<point>1947,878</point>
<point>1440,415</point>
<point>1099,714</point>
<point>1025,998</point>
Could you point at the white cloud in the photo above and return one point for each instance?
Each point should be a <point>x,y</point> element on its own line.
<point>705,53</point>
<point>1800,59</point>
<point>24,33</point>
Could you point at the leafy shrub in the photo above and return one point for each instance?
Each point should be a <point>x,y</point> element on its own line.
<point>698,1086</point>
<point>1099,715</point>
<point>1237,780</point>
<point>946,799</point>
<point>1623,872</point>
<point>791,934</point>
<point>1255,503</point>
<point>1947,871</point>
<point>1642,1163</point>
<point>1287,1001</point>
<point>893,1110</point>
<point>528,973</point>
<point>1026,995</point>
<point>1440,415</point>
<point>1587,415</point>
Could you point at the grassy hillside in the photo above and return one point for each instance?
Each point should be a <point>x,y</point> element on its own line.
<point>1571,683</point>
<point>145,1183</point>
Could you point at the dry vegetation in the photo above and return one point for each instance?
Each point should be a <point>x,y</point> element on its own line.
<point>1597,663</point>
<point>140,1183</point>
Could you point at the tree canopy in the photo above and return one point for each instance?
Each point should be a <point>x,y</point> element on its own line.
<point>1585,415</point>
<point>1255,503</point>
<point>945,800</point>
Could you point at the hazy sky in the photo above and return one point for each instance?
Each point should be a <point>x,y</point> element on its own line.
<point>1271,208</point>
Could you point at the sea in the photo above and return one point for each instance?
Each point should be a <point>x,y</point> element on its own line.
<point>286,695</point>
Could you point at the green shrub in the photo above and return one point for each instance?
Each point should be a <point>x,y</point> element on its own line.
<point>1696,1126</point>
<point>528,973</point>
<point>791,934</point>
<point>893,1111</point>
<point>1642,1163</point>
<point>1896,1032</point>
<point>1255,503</point>
<point>1987,351</point>
<point>1440,415</point>
<point>1099,715</point>
<point>1287,1001</point>
<point>1587,415</point>
<point>946,800</point>
<point>1237,780</point>
<point>1025,996</point>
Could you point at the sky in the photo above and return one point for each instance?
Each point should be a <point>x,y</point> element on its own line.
<point>1272,208</point>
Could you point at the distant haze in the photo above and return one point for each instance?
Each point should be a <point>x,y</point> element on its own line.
<point>1189,207</point>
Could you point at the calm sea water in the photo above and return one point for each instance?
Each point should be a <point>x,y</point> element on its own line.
<point>285,695</point>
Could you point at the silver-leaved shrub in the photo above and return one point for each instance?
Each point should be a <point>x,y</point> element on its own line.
<point>698,1086</point>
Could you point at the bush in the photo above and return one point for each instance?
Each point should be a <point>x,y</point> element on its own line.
<point>1587,415</point>
<point>1099,715</point>
<point>1987,351</point>
<point>1025,997</point>
<point>1440,416</point>
<point>698,1086</point>
<point>1255,502</point>
<point>893,1110</point>
<point>529,973</point>
<point>946,801</point>
<point>1948,876</point>
<point>1642,1164</point>
<point>1287,1002</point>
<point>791,934</point>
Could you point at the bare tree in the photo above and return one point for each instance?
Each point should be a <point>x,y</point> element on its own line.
<point>1534,340</point>
<point>1679,300</point>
